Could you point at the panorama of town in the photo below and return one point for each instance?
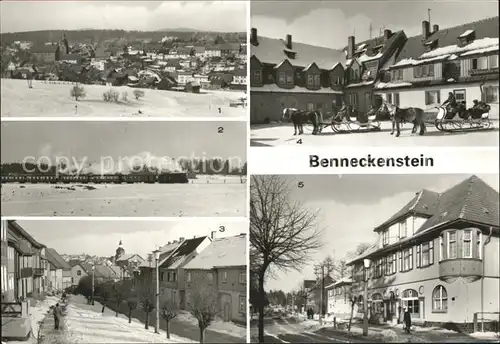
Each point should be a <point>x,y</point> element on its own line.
<point>124,73</point>
<point>431,273</point>
<point>187,290</point>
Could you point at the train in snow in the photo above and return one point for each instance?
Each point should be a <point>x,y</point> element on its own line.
<point>162,178</point>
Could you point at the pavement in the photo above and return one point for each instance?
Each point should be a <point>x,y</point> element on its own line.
<point>272,135</point>
<point>291,330</point>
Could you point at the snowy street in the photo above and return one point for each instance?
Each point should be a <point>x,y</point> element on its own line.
<point>194,199</point>
<point>86,324</point>
<point>293,330</point>
<point>277,135</point>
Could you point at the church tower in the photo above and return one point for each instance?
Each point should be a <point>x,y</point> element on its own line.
<point>120,251</point>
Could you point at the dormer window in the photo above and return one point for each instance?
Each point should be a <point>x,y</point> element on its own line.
<point>385,237</point>
<point>290,53</point>
<point>376,49</point>
<point>466,37</point>
<point>313,80</point>
<point>431,45</point>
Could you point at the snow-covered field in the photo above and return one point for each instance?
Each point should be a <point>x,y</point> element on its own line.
<point>278,135</point>
<point>84,324</point>
<point>217,325</point>
<point>201,197</point>
<point>54,100</point>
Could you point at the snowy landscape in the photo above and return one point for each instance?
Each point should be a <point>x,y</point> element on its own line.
<point>53,100</point>
<point>277,135</point>
<point>205,196</point>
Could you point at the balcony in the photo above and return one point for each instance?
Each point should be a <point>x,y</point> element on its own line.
<point>475,72</point>
<point>38,272</point>
<point>469,269</point>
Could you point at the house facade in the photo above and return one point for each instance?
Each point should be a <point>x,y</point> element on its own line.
<point>127,262</point>
<point>438,257</point>
<point>7,282</point>
<point>286,74</point>
<point>222,265</point>
<point>60,271</point>
<point>462,60</point>
<point>77,273</point>
<point>364,63</point>
<point>172,276</point>
<point>339,298</point>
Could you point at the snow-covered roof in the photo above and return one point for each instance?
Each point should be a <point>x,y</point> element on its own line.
<point>385,85</point>
<point>342,281</point>
<point>296,89</point>
<point>466,33</point>
<point>272,51</point>
<point>222,252</point>
<point>482,43</point>
<point>481,51</point>
<point>362,83</point>
<point>366,58</point>
<point>415,62</point>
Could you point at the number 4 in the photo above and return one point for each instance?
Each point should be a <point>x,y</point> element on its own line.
<point>299,141</point>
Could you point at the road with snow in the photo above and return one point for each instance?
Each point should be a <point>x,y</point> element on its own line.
<point>54,100</point>
<point>85,323</point>
<point>194,199</point>
<point>279,135</point>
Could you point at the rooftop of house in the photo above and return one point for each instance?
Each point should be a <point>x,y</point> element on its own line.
<point>374,48</point>
<point>447,37</point>
<point>182,252</point>
<point>14,225</point>
<point>222,252</point>
<point>471,200</point>
<point>128,256</point>
<point>56,260</point>
<point>274,51</point>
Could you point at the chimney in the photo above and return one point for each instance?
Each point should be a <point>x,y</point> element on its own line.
<point>253,37</point>
<point>289,41</point>
<point>212,235</point>
<point>387,34</point>
<point>350,46</point>
<point>435,28</point>
<point>169,243</point>
<point>181,239</point>
<point>425,29</point>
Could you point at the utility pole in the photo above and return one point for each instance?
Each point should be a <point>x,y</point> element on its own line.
<point>93,269</point>
<point>370,30</point>
<point>157,258</point>
<point>429,15</point>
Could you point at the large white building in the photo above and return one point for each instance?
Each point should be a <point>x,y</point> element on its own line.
<point>462,60</point>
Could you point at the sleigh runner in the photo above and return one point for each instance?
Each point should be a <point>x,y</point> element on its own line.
<point>466,121</point>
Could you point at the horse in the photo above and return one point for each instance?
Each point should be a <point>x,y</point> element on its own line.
<point>300,117</point>
<point>399,115</point>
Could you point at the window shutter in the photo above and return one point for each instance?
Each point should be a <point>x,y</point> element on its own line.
<point>400,261</point>
<point>411,257</point>
<point>418,255</point>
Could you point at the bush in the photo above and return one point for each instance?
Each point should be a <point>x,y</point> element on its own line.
<point>110,96</point>
<point>138,94</point>
<point>77,92</point>
<point>125,96</point>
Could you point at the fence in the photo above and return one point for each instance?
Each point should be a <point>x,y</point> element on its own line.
<point>486,321</point>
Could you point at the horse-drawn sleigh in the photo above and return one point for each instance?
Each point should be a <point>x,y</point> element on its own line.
<point>344,121</point>
<point>462,119</point>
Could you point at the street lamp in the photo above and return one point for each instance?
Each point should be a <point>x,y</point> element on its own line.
<point>93,269</point>
<point>366,263</point>
<point>156,254</point>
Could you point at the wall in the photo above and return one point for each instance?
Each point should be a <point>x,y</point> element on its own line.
<point>75,276</point>
<point>416,97</point>
<point>270,105</point>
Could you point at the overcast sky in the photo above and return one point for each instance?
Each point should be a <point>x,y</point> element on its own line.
<point>222,16</point>
<point>101,238</point>
<point>329,23</point>
<point>95,140</point>
<point>351,206</point>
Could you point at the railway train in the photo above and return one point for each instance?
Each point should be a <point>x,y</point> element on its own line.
<point>170,178</point>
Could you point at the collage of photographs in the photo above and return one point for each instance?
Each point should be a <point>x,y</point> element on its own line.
<point>135,207</point>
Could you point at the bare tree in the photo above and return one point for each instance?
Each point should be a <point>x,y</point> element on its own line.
<point>119,295</point>
<point>303,294</point>
<point>283,234</point>
<point>341,269</point>
<point>322,270</point>
<point>203,303</point>
<point>169,311</point>
<point>131,305</point>
<point>147,305</point>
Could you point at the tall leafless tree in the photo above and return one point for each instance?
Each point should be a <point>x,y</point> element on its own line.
<point>203,303</point>
<point>323,270</point>
<point>283,233</point>
<point>168,312</point>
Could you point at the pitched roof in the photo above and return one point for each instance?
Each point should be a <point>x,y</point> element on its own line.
<point>272,51</point>
<point>56,260</point>
<point>182,253</point>
<point>222,252</point>
<point>14,225</point>
<point>471,200</point>
<point>414,46</point>
<point>128,256</point>
<point>105,271</point>
<point>423,203</point>
<point>365,49</point>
